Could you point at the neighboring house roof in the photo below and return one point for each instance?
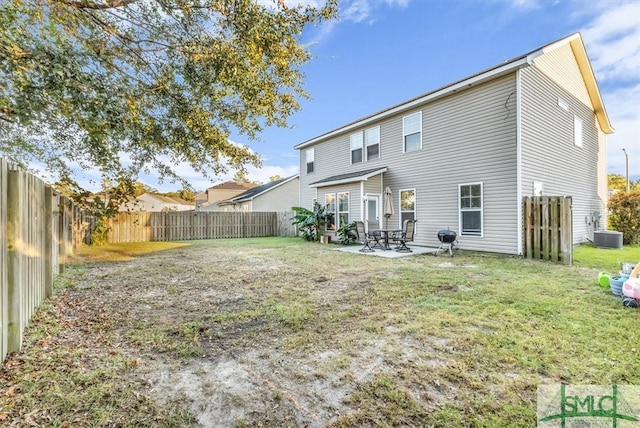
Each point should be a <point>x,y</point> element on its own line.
<point>167,199</point>
<point>257,191</point>
<point>232,185</point>
<point>170,199</point>
<point>349,177</point>
<point>579,51</point>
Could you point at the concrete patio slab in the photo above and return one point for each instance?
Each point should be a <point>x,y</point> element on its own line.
<point>415,250</point>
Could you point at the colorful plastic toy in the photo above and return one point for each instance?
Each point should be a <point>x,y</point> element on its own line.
<point>631,287</point>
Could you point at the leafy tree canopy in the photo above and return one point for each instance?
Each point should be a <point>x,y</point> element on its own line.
<point>124,86</point>
<point>185,194</point>
<point>619,182</point>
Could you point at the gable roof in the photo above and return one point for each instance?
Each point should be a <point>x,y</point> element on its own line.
<point>168,199</point>
<point>257,191</point>
<point>232,185</point>
<point>349,177</point>
<point>577,46</point>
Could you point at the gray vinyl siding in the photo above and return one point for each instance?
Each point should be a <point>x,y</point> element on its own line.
<point>548,151</point>
<point>467,137</point>
<point>280,198</point>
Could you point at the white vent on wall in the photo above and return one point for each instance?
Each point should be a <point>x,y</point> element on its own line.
<point>537,188</point>
<point>563,104</point>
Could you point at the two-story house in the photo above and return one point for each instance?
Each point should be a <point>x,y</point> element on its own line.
<point>463,156</point>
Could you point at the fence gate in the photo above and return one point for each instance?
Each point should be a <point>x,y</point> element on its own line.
<point>548,228</point>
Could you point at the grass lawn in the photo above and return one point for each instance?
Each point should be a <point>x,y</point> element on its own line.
<point>280,332</point>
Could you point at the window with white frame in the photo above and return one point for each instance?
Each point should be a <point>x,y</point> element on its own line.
<point>372,142</point>
<point>471,209</point>
<point>412,131</point>
<point>330,204</point>
<point>356,147</point>
<point>407,205</point>
<point>577,131</point>
<point>343,209</point>
<point>310,158</point>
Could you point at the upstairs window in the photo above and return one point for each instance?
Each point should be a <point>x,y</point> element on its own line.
<point>471,209</point>
<point>372,142</point>
<point>577,131</point>
<point>310,157</point>
<point>356,147</point>
<point>412,131</point>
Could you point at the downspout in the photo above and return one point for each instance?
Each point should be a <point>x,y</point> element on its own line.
<point>362,202</point>
<point>519,160</point>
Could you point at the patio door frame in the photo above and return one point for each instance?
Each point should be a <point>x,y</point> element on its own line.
<point>368,198</point>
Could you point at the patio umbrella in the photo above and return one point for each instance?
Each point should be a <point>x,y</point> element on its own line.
<point>388,205</point>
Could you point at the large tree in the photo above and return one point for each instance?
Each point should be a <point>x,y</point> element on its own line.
<point>124,86</point>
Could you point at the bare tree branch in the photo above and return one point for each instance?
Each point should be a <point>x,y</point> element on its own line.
<point>111,4</point>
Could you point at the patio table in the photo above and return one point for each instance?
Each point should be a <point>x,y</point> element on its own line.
<point>385,235</point>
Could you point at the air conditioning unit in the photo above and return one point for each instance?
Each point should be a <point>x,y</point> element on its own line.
<point>607,239</point>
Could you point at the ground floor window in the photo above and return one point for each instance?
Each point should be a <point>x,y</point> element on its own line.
<point>407,205</point>
<point>470,196</point>
<point>330,204</point>
<point>343,209</point>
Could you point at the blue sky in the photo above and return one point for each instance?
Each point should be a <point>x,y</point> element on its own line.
<point>383,52</point>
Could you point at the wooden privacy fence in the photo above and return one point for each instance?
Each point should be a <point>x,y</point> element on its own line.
<point>144,226</point>
<point>548,228</point>
<point>37,234</point>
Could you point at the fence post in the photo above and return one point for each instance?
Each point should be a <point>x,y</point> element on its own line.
<point>566,240</point>
<point>15,243</point>
<point>4,280</point>
<point>62,246</point>
<point>48,241</point>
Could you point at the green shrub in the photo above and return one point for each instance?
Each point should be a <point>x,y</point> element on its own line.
<point>624,216</point>
<point>347,233</point>
<point>310,222</point>
<point>100,232</point>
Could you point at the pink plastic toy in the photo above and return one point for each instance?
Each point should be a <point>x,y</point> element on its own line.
<point>631,287</point>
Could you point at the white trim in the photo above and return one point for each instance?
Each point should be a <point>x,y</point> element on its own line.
<point>233,200</point>
<point>350,180</point>
<point>338,212</point>
<point>365,151</point>
<point>311,151</point>
<point>359,134</point>
<point>519,220</point>
<point>362,201</point>
<point>577,46</point>
<point>463,84</point>
<point>335,211</point>
<point>481,235</point>
<point>578,130</point>
<point>378,199</point>
<point>415,204</point>
<point>404,134</point>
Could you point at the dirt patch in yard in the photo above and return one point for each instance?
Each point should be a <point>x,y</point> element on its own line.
<point>281,333</point>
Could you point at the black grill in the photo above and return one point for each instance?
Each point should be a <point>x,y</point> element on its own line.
<point>447,236</point>
<point>448,241</point>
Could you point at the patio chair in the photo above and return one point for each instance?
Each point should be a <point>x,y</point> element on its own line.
<point>364,238</point>
<point>406,235</point>
<point>375,237</point>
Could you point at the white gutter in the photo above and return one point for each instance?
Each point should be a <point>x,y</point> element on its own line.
<point>462,85</point>
<point>349,180</point>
